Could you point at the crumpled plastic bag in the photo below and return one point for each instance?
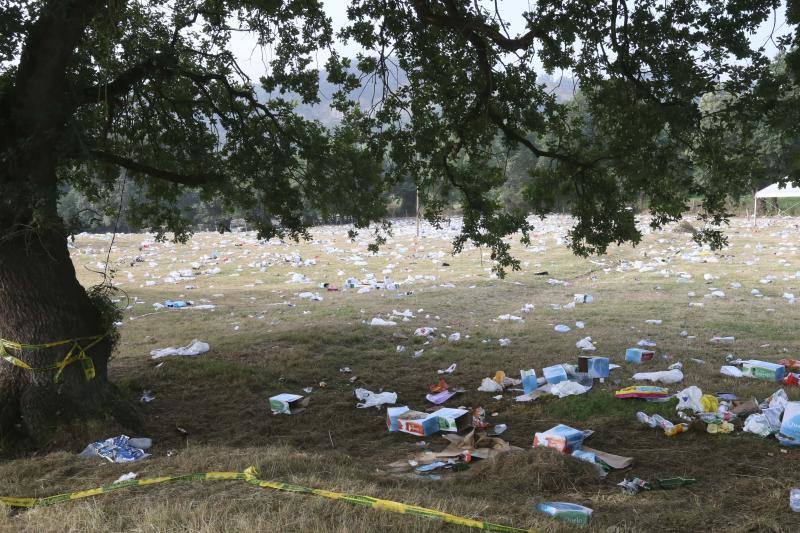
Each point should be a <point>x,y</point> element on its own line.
<point>585,344</point>
<point>372,399</point>
<point>381,322</point>
<point>666,376</point>
<point>489,385</point>
<point>563,389</point>
<point>759,424</point>
<point>692,398</point>
<point>196,347</point>
<point>732,371</point>
<point>777,400</point>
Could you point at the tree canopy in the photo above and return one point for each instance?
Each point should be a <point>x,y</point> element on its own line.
<point>154,89</point>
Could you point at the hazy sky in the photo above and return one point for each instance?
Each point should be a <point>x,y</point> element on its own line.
<point>251,60</point>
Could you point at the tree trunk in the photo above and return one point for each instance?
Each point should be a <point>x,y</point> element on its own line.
<point>41,301</point>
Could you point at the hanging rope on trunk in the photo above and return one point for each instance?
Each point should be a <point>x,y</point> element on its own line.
<point>77,352</point>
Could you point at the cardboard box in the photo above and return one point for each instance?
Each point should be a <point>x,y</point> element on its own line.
<point>637,355</point>
<point>391,416</point>
<point>562,438</point>
<point>790,426</point>
<point>529,382</point>
<point>763,370</point>
<point>453,419</point>
<point>284,403</point>
<point>417,423</point>
<point>554,374</point>
<point>595,367</point>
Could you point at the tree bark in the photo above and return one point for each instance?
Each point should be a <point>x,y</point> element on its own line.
<point>41,301</point>
<point>40,298</point>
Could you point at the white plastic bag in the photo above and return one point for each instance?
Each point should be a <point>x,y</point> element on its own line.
<point>563,389</point>
<point>381,322</point>
<point>490,385</point>
<point>689,398</point>
<point>666,376</point>
<point>585,344</point>
<point>372,399</point>
<point>732,371</point>
<point>196,347</point>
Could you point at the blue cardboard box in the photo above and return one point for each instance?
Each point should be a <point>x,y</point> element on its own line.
<point>554,374</point>
<point>637,355</point>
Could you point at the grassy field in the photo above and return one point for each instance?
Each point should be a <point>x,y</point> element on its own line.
<point>266,340</point>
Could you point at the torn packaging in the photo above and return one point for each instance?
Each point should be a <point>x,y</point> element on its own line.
<point>417,423</point>
<point>480,447</point>
<point>288,404</point>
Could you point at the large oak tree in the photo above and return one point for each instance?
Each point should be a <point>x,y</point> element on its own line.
<point>93,92</point>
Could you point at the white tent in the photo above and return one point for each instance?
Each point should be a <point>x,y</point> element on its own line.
<point>775,190</point>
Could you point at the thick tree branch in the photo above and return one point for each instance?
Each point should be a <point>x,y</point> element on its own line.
<point>158,64</point>
<point>190,180</point>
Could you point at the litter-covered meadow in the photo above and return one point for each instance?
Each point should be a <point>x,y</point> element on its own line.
<point>250,320</point>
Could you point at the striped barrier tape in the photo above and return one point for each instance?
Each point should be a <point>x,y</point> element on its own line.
<point>77,352</point>
<point>251,476</point>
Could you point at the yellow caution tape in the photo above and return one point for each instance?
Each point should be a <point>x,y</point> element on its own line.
<point>251,476</point>
<point>77,352</point>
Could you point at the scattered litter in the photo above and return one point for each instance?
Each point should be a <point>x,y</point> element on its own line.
<point>529,381</point>
<point>594,367</point>
<point>567,388</point>
<point>568,512</point>
<point>763,370</point>
<point>637,355</point>
<point>561,328</point>
<point>585,344</point>
<point>196,347</point>
<point>313,296</point>
<point>498,429</point>
<point>693,399</point>
<point>377,321</point>
<point>489,385</point>
<point>288,404</point>
<point>555,374</point>
<point>722,340</point>
<point>440,397</point>
<point>371,399</point>
<point>449,370</point>
<point>732,371</point>
<point>126,477</point>
<point>504,342</point>
<point>636,485</point>
<point>654,421</point>
<point>646,392</point>
<point>794,500</point>
<point>667,377</point>
<point>147,397</point>
<point>115,450</point>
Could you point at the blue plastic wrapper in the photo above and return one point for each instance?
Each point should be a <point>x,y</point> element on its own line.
<point>115,450</point>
